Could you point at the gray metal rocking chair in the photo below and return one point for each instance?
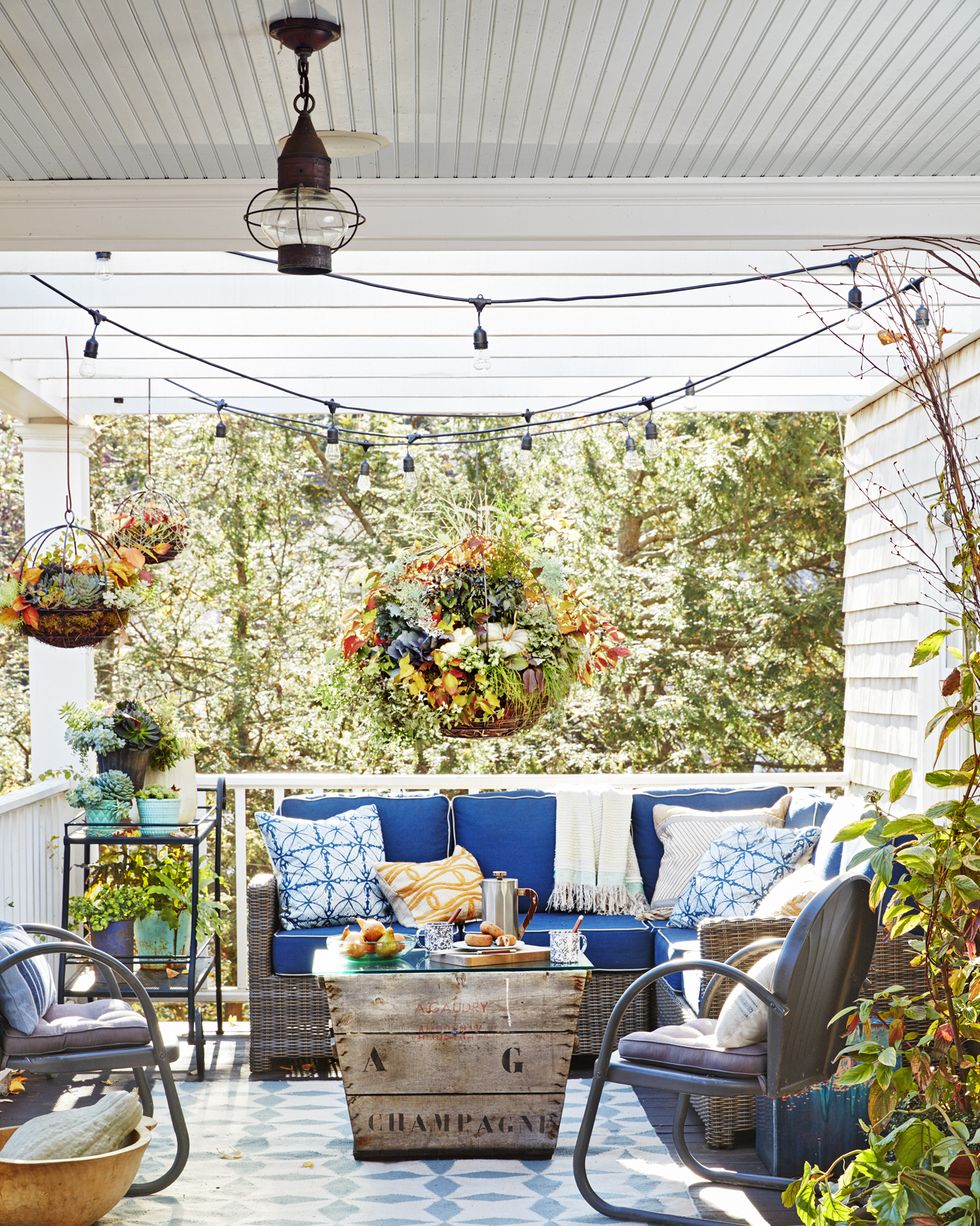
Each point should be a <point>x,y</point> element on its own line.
<point>822,963</point>
<point>137,1057</point>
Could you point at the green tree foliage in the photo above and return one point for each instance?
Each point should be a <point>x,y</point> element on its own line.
<point>722,563</point>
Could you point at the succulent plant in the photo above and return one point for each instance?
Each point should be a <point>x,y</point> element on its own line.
<point>82,591</point>
<point>115,786</point>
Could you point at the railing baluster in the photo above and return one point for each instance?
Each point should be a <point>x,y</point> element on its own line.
<point>241,888</point>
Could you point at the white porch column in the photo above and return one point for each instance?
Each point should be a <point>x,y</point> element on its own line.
<point>57,675</point>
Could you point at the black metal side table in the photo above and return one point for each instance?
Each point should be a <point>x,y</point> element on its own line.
<point>167,978</point>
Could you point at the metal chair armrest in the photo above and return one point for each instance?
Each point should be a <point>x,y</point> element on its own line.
<point>63,934</point>
<point>747,953</point>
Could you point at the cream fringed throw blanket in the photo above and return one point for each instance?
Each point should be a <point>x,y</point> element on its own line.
<point>595,862</point>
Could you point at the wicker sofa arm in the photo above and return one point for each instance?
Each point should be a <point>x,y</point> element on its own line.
<point>720,938</point>
<point>263,920</point>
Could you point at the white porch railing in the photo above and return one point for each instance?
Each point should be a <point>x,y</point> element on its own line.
<point>248,792</point>
<point>32,822</point>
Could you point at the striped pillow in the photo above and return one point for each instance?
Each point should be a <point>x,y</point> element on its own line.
<point>27,990</point>
<point>422,893</point>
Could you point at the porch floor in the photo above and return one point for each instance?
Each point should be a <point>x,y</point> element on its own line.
<point>721,1204</point>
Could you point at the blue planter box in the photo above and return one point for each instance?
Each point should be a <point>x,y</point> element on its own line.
<point>817,1125</point>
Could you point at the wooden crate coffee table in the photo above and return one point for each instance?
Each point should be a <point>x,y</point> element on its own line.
<point>443,1062</point>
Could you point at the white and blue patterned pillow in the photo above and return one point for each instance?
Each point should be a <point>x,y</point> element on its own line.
<point>738,869</point>
<point>325,867</point>
<point>27,990</point>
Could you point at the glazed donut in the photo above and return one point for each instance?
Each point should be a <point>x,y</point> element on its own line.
<point>480,939</point>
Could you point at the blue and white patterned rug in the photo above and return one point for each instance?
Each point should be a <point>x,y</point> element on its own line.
<point>271,1153</point>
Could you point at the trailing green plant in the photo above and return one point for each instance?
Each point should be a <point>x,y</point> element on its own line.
<point>103,905</point>
<point>919,1053</point>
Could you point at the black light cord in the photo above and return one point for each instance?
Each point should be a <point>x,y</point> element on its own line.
<point>454,436</point>
<point>850,262</point>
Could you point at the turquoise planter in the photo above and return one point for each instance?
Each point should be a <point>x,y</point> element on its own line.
<point>99,819</point>
<point>157,943</point>
<point>159,812</point>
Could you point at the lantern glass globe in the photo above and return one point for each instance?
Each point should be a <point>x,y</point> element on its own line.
<point>304,216</point>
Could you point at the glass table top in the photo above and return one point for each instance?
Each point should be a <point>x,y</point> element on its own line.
<point>328,962</point>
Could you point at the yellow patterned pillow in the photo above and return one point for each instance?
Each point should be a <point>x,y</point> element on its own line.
<point>421,893</point>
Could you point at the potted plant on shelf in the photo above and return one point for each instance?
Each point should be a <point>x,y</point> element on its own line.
<point>163,934</point>
<point>473,638</point>
<point>122,736</point>
<point>107,911</point>
<point>106,799</point>
<point>158,806</point>
<point>172,760</point>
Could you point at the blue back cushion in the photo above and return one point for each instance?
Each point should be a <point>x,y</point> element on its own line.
<point>830,859</point>
<point>412,827</point>
<point>650,850</point>
<point>806,809</point>
<point>27,990</point>
<point>514,831</point>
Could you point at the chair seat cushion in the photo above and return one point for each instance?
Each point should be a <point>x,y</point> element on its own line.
<point>692,1048</point>
<point>80,1026</point>
<point>613,942</point>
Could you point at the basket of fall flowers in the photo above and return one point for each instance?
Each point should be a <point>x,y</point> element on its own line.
<point>69,587</point>
<point>480,638</point>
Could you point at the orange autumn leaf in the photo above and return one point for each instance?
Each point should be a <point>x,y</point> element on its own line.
<point>17,1084</point>
<point>31,618</point>
<point>943,332</point>
<point>9,617</point>
<point>887,337</point>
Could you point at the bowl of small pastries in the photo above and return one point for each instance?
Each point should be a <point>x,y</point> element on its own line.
<point>372,941</point>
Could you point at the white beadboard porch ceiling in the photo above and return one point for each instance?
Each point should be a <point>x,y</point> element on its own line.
<point>497,89</point>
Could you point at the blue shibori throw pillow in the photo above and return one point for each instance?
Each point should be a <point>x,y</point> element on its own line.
<point>325,868</point>
<point>27,990</point>
<point>738,869</point>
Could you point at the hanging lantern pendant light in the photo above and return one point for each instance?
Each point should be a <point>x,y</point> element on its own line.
<point>304,219</point>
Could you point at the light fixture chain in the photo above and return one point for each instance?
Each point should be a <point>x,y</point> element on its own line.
<point>304,102</point>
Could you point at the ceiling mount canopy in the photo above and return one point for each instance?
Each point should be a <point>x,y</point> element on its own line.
<point>304,219</point>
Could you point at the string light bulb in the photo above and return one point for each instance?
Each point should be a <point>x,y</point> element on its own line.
<point>651,437</point>
<point>632,460</point>
<point>481,341</point>
<point>525,455</point>
<point>364,476</point>
<point>221,433</point>
<point>103,265</point>
<point>86,367</point>
<point>690,391</point>
<point>855,320</point>
<point>408,471</point>
<point>332,448</point>
<point>922,310</point>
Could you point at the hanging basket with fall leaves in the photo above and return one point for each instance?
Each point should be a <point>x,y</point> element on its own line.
<point>153,522</point>
<point>478,639</point>
<point>67,586</point>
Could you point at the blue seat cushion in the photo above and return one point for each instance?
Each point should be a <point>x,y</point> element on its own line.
<point>615,942</point>
<point>513,831</point>
<point>292,952</point>
<point>673,945</point>
<point>412,827</point>
<point>650,850</point>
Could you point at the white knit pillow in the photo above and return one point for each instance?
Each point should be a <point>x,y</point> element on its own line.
<point>688,833</point>
<point>744,1019</point>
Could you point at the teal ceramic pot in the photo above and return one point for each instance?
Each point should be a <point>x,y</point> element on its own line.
<point>157,943</point>
<point>159,812</point>
<point>98,820</point>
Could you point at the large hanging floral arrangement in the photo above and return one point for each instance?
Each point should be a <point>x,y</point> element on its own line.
<point>480,637</point>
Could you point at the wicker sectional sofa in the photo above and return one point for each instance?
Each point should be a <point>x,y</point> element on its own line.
<point>513,831</point>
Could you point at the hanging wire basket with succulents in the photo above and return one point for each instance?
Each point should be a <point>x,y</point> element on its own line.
<point>68,586</point>
<point>153,522</point>
<point>478,638</point>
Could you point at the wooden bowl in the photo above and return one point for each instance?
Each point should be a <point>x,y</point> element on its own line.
<point>70,1191</point>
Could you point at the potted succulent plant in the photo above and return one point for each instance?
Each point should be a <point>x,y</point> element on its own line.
<point>172,760</point>
<point>106,799</point>
<point>158,806</point>
<point>123,736</point>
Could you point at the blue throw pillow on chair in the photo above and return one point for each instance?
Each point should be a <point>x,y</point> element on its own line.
<point>325,868</point>
<point>27,990</point>
<point>738,869</point>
